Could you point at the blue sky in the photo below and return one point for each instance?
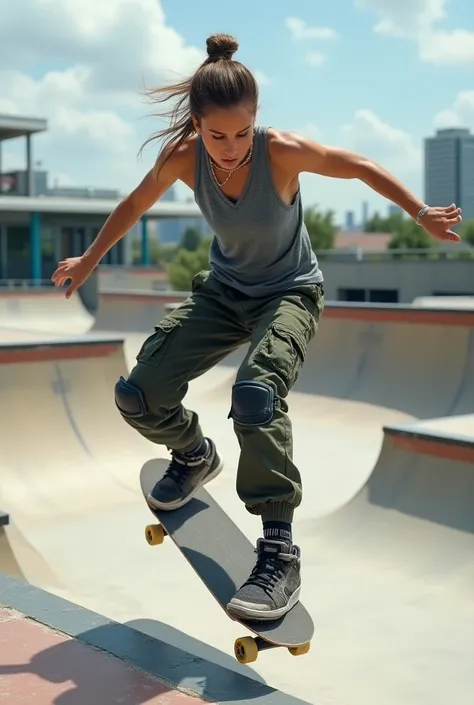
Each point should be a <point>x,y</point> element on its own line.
<point>376,76</point>
<point>361,68</point>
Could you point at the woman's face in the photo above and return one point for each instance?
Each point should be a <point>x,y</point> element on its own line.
<point>227,133</point>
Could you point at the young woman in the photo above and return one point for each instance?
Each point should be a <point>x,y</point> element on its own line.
<point>264,287</point>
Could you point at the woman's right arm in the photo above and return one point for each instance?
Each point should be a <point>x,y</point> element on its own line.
<point>122,219</point>
<point>131,209</point>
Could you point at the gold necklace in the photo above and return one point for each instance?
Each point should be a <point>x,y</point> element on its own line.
<point>231,171</point>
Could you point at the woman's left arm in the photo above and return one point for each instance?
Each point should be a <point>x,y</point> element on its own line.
<point>310,156</point>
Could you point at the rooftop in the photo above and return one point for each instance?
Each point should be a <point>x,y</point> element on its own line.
<point>13,126</point>
<point>91,206</point>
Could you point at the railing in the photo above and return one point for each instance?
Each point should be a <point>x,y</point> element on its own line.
<point>15,284</point>
<point>459,253</point>
<point>456,252</point>
<point>409,254</point>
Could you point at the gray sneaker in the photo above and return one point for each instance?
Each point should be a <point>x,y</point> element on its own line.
<point>184,476</point>
<point>273,586</point>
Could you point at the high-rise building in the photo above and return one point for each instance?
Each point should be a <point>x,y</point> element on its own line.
<point>449,169</point>
<point>350,221</point>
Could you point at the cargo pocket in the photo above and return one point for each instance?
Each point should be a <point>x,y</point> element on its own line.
<point>154,347</point>
<point>313,301</point>
<point>282,350</point>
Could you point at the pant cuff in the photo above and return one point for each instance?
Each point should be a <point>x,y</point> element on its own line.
<point>275,511</point>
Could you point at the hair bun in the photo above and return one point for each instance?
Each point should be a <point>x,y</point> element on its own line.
<point>221,46</point>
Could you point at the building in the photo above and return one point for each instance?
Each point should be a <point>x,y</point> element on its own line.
<point>39,229</point>
<point>13,127</point>
<point>449,169</point>
<point>170,232</point>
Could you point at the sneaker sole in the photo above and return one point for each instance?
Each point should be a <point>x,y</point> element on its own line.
<point>169,506</point>
<point>245,610</point>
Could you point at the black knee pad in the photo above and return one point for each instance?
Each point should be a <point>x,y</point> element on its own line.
<point>129,399</point>
<point>252,403</point>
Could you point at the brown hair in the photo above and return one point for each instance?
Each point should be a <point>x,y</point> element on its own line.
<point>219,81</point>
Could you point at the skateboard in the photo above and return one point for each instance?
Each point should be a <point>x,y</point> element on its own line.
<point>223,557</point>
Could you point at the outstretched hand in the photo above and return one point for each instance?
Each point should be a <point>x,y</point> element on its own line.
<point>438,222</point>
<point>73,269</point>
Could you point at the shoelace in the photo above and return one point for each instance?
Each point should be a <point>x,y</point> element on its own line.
<point>180,468</point>
<point>267,571</point>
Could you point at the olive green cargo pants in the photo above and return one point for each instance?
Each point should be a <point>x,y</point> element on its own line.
<point>191,339</point>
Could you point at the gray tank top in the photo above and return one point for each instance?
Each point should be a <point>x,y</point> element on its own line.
<point>260,246</point>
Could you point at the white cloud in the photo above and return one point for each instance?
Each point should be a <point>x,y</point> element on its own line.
<point>118,40</point>
<point>99,58</point>
<point>454,47</point>
<point>315,58</point>
<point>104,54</point>
<point>310,130</point>
<point>370,135</point>
<point>262,78</point>
<point>419,20</point>
<point>300,30</point>
<point>366,134</point>
<point>86,141</point>
<point>460,114</point>
<point>403,17</point>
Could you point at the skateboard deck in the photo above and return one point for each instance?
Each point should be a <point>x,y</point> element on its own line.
<point>223,557</point>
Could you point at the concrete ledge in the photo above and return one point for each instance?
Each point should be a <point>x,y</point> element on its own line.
<point>4,519</point>
<point>452,430</point>
<point>167,663</point>
<point>72,341</point>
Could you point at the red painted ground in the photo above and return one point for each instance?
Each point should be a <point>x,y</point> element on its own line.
<point>40,666</point>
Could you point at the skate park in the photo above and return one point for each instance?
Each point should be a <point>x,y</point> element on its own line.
<point>383,423</point>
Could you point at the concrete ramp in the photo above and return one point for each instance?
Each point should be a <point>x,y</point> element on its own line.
<point>420,362</point>
<point>393,572</point>
<point>128,311</point>
<point>43,311</point>
<point>418,500</point>
<point>386,525</point>
<point>416,360</point>
<point>59,432</point>
<point>69,478</point>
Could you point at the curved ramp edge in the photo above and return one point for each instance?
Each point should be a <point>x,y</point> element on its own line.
<point>447,430</point>
<point>148,656</point>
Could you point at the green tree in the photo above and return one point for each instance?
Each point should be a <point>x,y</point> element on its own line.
<point>391,224</point>
<point>467,231</point>
<point>409,236</point>
<point>321,228</point>
<point>186,264</point>
<point>192,239</point>
<point>376,224</point>
<point>156,251</point>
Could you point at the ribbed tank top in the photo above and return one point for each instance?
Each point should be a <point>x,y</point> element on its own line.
<point>260,245</point>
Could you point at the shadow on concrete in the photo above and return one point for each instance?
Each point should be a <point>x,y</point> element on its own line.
<point>202,651</point>
<point>87,677</point>
<point>183,663</point>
